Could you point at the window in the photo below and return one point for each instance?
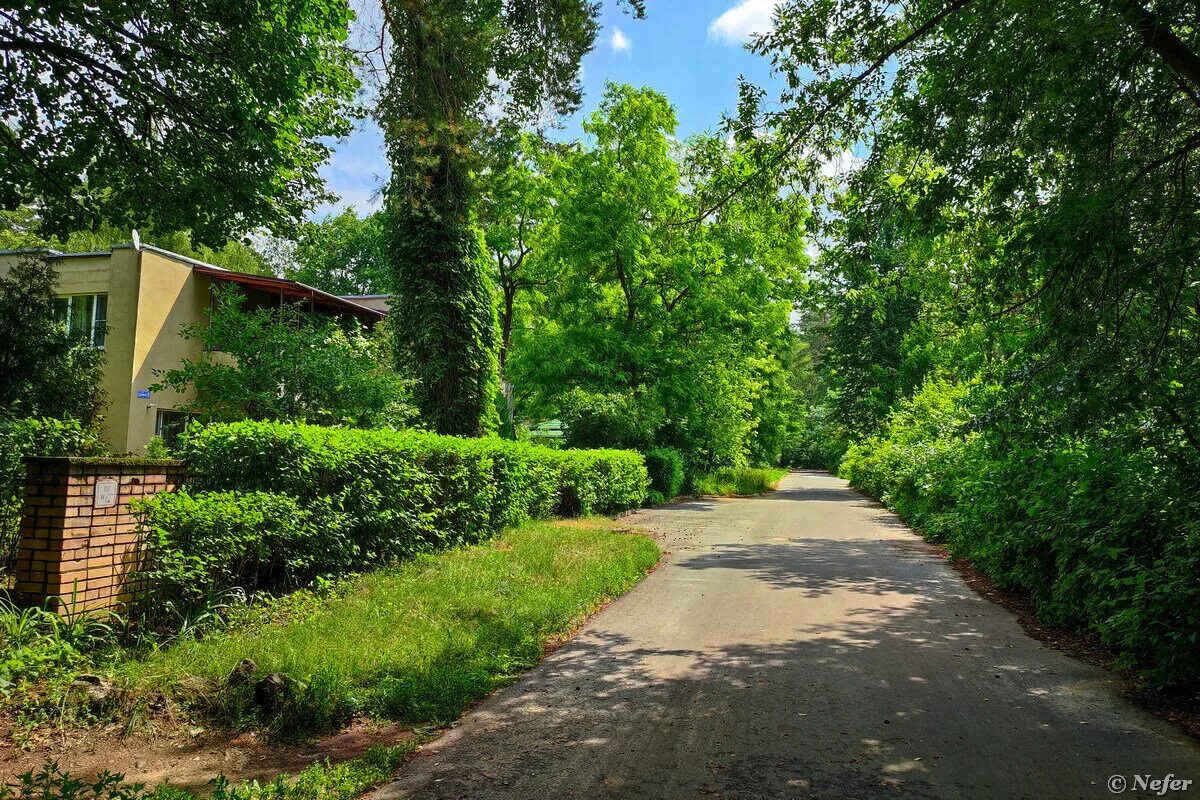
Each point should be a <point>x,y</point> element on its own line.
<point>86,315</point>
<point>169,424</point>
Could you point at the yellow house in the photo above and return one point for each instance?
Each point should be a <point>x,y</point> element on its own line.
<point>133,301</point>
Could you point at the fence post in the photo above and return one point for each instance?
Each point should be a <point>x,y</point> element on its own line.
<point>80,543</point>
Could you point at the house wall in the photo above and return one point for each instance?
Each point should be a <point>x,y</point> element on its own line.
<point>171,296</point>
<point>113,274</point>
<point>150,298</point>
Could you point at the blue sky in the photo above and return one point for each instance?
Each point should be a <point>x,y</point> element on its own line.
<point>690,50</point>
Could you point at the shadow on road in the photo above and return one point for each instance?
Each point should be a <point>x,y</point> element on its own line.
<point>889,702</point>
<point>821,566</point>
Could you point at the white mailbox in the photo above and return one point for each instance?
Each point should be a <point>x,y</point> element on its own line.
<point>106,493</point>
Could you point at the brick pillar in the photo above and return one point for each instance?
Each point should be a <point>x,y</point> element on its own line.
<point>80,542</point>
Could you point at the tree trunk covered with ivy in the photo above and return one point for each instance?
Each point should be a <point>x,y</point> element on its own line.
<point>444,313</point>
<point>449,60</point>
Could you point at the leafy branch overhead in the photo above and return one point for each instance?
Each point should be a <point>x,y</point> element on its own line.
<point>208,116</point>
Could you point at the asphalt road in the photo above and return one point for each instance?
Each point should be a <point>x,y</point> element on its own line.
<point>800,644</point>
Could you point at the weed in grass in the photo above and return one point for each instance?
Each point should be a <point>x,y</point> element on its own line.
<point>320,781</point>
<point>417,642</point>
<point>739,482</point>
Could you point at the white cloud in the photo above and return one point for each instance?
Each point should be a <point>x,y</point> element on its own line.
<point>619,42</point>
<point>841,164</point>
<point>745,20</point>
<point>356,172</point>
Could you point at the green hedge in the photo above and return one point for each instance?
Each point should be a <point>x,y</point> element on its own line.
<point>214,541</point>
<point>665,465</point>
<point>1100,528</point>
<point>31,437</point>
<point>372,496</point>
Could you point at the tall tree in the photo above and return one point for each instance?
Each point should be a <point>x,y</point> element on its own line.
<point>448,59</point>
<point>515,204</point>
<point>1070,129</point>
<point>209,116</point>
<point>674,327</point>
<point>342,254</point>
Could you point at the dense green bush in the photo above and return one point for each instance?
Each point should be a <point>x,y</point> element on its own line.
<point>608,420</point>
<point>600,481</point>
<point>1098,527</point>
<point>381,495</point>
<point>665,465</point>
<point>20,438</point>
<point>215,541</point>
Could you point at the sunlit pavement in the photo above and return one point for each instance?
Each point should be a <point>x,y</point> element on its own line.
<point>800,644</point>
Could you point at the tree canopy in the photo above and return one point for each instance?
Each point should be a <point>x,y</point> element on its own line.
<point>680,330</point>
<point>207,116</point>
<point>341,254</point>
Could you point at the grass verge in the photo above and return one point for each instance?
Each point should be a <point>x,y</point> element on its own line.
<point>739,482</point>
<point>321,781</point>
<point>417,643</point>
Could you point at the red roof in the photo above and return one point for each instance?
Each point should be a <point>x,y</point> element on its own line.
<point>298,291</point>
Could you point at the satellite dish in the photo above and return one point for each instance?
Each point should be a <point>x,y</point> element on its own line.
<point>137,240</point>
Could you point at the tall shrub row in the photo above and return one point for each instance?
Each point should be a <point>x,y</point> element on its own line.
<point>1098,527</point>
<point>355,498</point>
<point>665,465</point>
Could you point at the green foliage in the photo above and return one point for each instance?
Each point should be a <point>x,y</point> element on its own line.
<point>20,438</point>
<point>378,496</point>
<point>739,482</point>
<point>319,781</point>
<point>287,365</point>
<point>418,642</point>
<point>600,481</point>
<point>645,327</point>
<point>1100,529</point>
<point>515,202</point>
<point>157,448</point>
<point>40,643</point>
<point>211,542</point>
<point>665,466</point>
<point>608,420</point>
<point>50,783</point>
<point>342,254</point>
<point>819,444</point>
<point>210,117</point>
<point>44,372</point>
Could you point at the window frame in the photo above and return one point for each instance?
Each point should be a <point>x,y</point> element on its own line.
<point>94,299</point>
<point>159,427</point>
